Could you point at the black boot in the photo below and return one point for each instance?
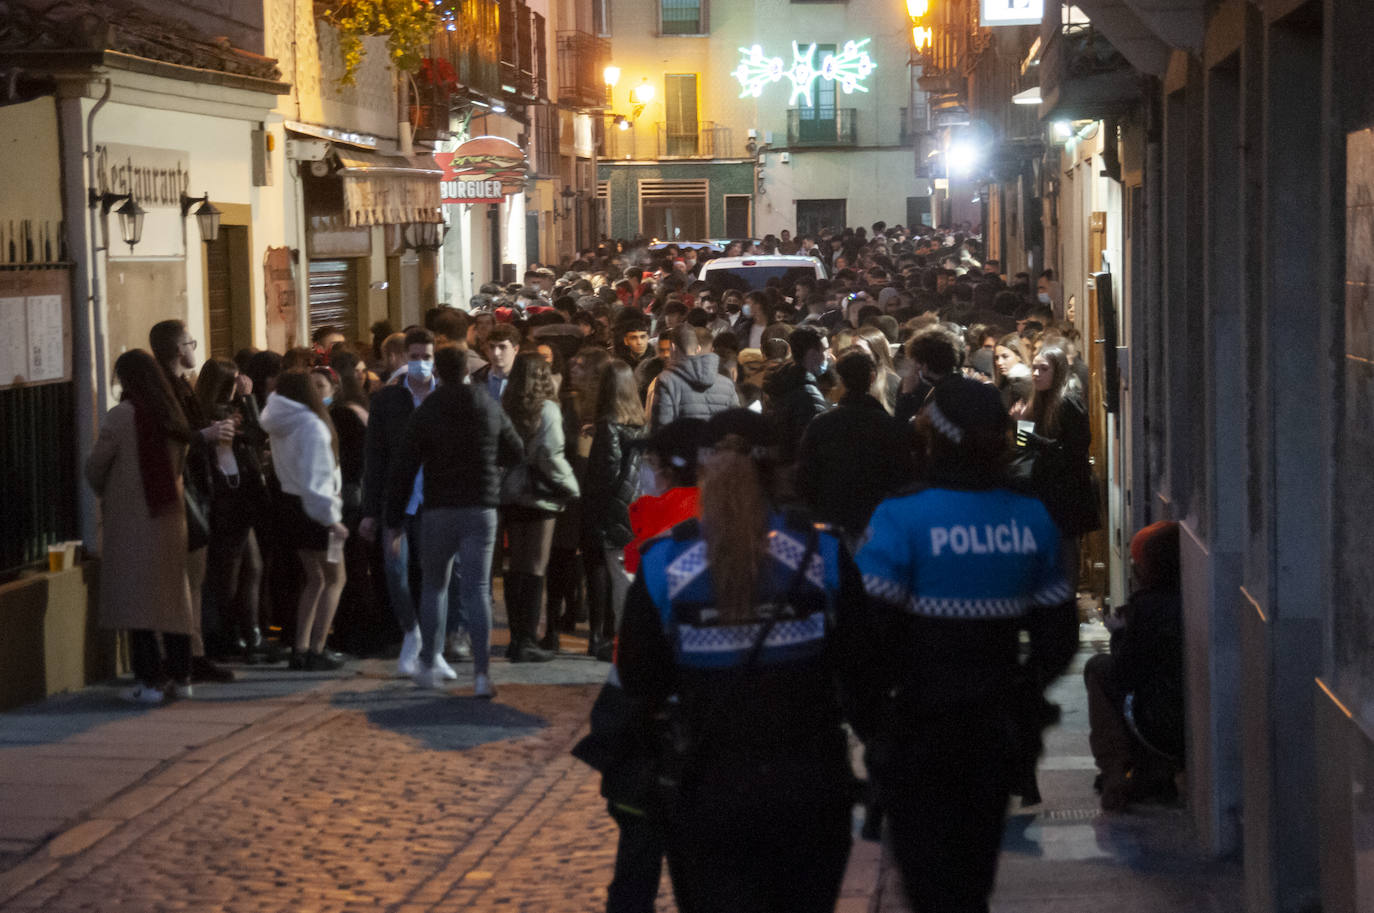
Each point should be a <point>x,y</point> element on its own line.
<point>534,602</point>
<point>522,611</point>
<point>550,639</point>
<point>514,581</point>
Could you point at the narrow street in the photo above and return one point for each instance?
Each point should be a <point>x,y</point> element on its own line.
<point>290,791</point>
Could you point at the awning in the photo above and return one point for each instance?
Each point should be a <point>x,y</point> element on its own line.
<point>388,189</point>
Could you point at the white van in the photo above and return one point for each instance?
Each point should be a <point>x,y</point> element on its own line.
<point>745,274</point>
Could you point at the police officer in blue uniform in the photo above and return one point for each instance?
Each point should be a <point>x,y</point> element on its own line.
<point>735,623</point>
<point>955,571</point>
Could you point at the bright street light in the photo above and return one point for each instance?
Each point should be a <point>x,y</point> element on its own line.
<point>611,76</point>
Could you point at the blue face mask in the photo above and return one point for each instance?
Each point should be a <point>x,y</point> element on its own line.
<point>747,310</point>
<point>420,369</point>
<point>328,400</point>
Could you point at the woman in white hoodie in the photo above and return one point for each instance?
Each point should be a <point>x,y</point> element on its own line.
<point>305,455</point>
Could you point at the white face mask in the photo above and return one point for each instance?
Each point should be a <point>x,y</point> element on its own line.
<point>648,480</point>
<point>747,310</point>
<point>1044,297</point>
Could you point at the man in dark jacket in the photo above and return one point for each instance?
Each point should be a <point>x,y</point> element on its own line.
<point>1135,694</point>
<point>692,385</point>
<point>794,398</point>
<point>390,410</point>
<point>854,455</point>
<point>461,439</point>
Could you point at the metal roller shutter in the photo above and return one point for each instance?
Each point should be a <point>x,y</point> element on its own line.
<point>334,296</point>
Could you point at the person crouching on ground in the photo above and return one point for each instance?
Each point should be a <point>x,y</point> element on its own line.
<point>1135,694</point>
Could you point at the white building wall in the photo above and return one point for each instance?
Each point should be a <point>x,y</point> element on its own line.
<point>875,183</point>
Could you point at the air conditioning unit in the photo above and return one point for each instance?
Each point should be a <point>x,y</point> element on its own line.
<point>768,138</point>
<point>785,158</point>
<point>752,133</point>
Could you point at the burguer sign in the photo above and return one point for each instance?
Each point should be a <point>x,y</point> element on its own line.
<point>486,169</point>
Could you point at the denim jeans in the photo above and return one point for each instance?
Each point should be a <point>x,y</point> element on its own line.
<point>397,567</point>
<point>467,534</point>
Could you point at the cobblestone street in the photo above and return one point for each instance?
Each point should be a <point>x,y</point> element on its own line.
<point>290,791</point>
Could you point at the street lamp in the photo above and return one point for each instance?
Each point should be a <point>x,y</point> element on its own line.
<point>207,216</point>
<point>130,214</point>
<point>130,222</point>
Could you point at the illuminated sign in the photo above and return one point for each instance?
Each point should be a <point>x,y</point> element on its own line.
<point>848,68</point>
<point>486,169</point>
<point>1011,12</point>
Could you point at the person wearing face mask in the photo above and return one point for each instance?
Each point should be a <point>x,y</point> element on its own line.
<point>752,320</point>
<point>388,415</point>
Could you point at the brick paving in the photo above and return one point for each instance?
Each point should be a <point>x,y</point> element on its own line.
<point>358,793</point>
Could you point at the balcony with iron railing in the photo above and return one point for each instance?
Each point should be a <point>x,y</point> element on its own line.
<point>522,52</point>
<point>821,127</point>
<point>582,58</point>
<point>471,49</point>
<point>1083,77</point>
<point>703,140</point>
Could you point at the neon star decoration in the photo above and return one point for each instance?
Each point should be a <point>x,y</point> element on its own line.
<point>849,68</point>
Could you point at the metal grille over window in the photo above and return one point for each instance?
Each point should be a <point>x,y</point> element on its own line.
<point>681,17</point>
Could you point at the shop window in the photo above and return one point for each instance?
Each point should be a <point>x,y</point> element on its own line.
<point>674,210</point>
<point>813,215</point>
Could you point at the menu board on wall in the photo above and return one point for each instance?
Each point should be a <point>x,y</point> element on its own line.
<point>35,327</point>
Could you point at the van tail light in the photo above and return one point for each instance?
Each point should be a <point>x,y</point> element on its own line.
<point>751,263</point>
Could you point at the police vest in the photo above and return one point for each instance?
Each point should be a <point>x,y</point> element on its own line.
<point>677,574</point>
<point>949,553</point>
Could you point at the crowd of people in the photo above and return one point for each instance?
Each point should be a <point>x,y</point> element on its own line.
<point>774,510</point>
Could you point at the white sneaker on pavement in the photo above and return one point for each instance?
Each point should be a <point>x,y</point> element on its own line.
<point>460,646</point>
<point>481,687</point>
<point>444,669</point>
<point>142,694</point>
<point>409,661</point>
<point>428,677</point>
<point>178,692</point>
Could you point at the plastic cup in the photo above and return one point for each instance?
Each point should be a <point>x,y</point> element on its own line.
<point>57,557</point>
<point>69,553</point>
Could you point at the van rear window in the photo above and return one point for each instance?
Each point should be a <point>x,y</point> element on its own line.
<point>749,278</point>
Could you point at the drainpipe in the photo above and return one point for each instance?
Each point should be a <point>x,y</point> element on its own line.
<point>90,394</point>
<point>102,380</point>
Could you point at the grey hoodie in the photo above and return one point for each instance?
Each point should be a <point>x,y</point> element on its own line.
<point>692,387</point>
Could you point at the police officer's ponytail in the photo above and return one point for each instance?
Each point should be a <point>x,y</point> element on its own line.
<point>736,478</point>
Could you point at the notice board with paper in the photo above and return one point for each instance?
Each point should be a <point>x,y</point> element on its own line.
<point>35,327</point>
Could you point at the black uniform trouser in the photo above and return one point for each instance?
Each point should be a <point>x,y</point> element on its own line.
<point>944,783</point>
<point>638,864</point>
<point>776,852</point>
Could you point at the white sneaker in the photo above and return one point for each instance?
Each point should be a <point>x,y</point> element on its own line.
<point>460,646</point>
<point>177,692</point>
<point>142,694</point>
<point>481,687</point>
<point>444,669</point>
<point>428,677</point>
<point>409,661</point>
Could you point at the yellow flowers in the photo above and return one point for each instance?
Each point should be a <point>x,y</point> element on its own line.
<point>407,25</point>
